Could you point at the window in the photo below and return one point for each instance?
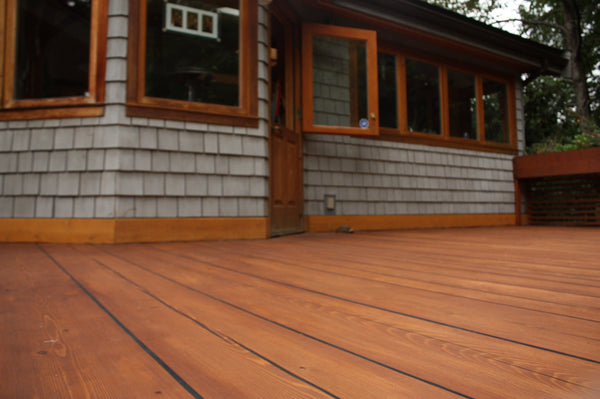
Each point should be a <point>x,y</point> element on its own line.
<point>424,102</point>
<point>339,80</point>
<point>388,90</point>
<point>194,60</point>
<point>462,104</point>
<point>496,115</point>
<point>351,88</point>
<point>55,55</point>
<point>423,110</point>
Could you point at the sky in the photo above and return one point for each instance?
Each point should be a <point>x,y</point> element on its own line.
<point>509,9</point>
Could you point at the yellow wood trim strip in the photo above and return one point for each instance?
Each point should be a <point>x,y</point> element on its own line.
<point>131,230</point>
<point>57,230</point>
<point>190,229</point>
<point>394,222</point>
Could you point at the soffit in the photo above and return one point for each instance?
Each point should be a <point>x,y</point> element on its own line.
<point>423,29</point>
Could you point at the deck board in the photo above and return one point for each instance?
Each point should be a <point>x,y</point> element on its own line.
<point>57,343</point>
<point>476,313</point>
<point>455,311</point>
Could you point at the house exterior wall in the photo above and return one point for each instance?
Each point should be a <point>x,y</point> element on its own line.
<point>117,166</point>
<point>377,177</point>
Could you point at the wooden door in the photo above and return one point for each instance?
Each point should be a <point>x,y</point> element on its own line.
<point>286,140</point>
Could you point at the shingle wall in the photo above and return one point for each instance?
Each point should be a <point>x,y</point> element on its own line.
<point>375,177</point>
<point>370,177</point>
<point>520,117</point>
<point>117,166</point>
<point>331,80</point>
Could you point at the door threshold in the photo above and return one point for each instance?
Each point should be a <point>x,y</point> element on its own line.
<point>279,234</point>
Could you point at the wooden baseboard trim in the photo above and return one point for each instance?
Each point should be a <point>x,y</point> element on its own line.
<point>99,231</point>
<point>397,222</point>
<point>107,231</point>
<point>192,229</point>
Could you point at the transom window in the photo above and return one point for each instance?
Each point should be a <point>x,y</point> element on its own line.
<point>194,60</point>
<point>54,52</point>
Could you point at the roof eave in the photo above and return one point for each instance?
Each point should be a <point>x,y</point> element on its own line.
<point>425,17</point>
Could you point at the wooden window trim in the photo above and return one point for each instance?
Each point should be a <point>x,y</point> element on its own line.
<point>308,31</point>
<point>511,104</point>
<point>2,47</point>
<point>140,105</point>
<point>403,111</point>
<point>67,107</point>
<point>480,111</point>
<point>402,134</point>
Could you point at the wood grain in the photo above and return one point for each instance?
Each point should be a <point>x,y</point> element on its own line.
<point>338,317</point>
<point>477,313</point>
<point>308,358</point>
<point>393,222</point>
<point>104,231</point>
<point>56,343</point>
<point>57,230</point>
<point>212,363</point>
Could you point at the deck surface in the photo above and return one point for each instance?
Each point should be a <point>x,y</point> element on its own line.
<point>457,313</point>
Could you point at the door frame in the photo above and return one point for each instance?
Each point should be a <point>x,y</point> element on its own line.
<point>287,17</point>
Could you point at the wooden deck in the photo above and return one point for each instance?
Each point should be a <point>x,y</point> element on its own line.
<point>458,313</point>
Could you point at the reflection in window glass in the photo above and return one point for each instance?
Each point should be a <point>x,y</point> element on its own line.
<point>423,97</point>
<point>193,53</point>
<point>52,49</point>
<point>495,104</point>
<point>339,81</point>
<point>462,101</point>
<point>388,99</point>
<point>278,73</point>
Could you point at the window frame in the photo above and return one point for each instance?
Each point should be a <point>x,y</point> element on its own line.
<point>370,37</point>
<point>56,107</point>
<point>403,96</point>
<point>510,104</point>
<point>401,133</point>
<point>140,105</point>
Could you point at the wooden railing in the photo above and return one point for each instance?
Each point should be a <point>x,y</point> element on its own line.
<point>559,188</point>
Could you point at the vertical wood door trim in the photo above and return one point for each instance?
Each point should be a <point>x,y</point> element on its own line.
<point>290,127</point>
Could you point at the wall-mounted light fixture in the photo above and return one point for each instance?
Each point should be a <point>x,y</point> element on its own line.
<point>329,201</point>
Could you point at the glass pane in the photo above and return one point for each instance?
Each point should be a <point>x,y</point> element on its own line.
<point>192,51</point>
<point>340,82</point>
<point>423,97</point>
<point>495,104</point>
<point>53,48</point>
<point>462,99</point>
<point>278,73</point>
<point>388,96</point>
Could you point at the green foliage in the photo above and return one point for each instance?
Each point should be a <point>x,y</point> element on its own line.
<point>586,135</point>
<point>578,142</point>
<point>548,124</point>
<point>541,21</point>
<point>545,104</point>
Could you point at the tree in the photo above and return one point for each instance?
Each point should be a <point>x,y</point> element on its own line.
<point>568,24</point>
<point>480,10</point>
<point>573,25</point>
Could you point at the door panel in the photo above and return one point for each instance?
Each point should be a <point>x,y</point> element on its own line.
<point>286,210</point>
<point>286,140</point>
